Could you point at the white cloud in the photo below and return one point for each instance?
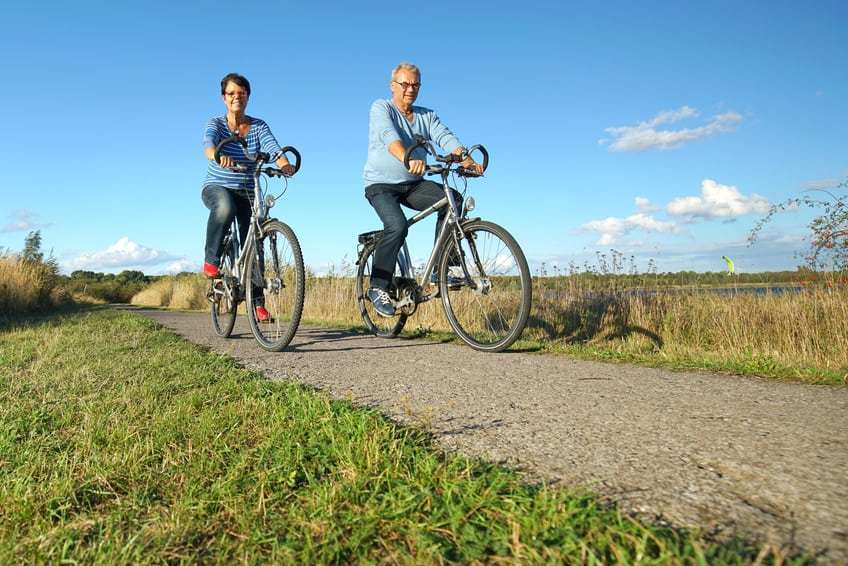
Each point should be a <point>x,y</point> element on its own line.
<point>717,201</point>
<point>612,228</point>
<point>645,205</point>
<point>645,135</point>
<point>180,265</point>
<point>22,221</point>
<point>123,253</point>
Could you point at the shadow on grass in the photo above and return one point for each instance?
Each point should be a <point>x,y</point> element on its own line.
<point>592,317</point>
<point>9,322</point>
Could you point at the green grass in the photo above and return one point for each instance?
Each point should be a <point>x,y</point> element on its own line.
<point>120,442</point>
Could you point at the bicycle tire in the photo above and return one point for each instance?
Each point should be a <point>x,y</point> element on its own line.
<point>491,317</point>
<point>225,297</point>
<point>282,284</point>
<point>376,324</point>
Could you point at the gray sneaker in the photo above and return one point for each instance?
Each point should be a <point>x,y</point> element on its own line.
<point>381,301</point>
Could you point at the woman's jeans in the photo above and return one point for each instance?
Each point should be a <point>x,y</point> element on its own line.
<point>386,200</point>
<point>225,204</point>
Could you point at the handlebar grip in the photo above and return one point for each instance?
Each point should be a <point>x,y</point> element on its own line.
<point>419,142</point>
<point>224,142</point>
<point>296,153</point>
<point>482,150</point>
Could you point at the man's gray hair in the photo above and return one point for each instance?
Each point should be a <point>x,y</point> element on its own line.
<point>406,66</point>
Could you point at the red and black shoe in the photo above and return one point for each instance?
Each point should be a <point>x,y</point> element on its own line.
<point>211,271</point>
<point>262,314</point>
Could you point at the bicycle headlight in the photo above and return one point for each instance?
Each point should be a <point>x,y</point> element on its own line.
<point>270,201</point>
<point>469,204</point>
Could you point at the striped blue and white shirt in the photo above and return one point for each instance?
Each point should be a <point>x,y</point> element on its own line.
<point>259,138</point>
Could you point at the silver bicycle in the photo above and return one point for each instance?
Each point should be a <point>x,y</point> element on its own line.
<point>483,277</point>
<point>265,270</point>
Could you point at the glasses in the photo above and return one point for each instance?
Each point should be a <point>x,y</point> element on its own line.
<point>405,86</point>
<point>240,94</point>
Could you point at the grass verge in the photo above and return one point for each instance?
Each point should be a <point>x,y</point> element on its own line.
<point>120,442</point>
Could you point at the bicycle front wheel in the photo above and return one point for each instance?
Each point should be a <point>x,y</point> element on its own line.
<point>378,325</point>
<point>275,286</point>
<point>489,309</point>
<point>224,293</point>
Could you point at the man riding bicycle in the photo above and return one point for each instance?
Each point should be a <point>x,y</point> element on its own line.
<point>228,193</point>
<point>393,127</point>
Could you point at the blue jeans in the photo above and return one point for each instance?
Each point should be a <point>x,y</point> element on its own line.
<point>224,205</point>
<point>386,200</point>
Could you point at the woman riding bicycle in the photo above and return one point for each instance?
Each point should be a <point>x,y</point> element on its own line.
<point>227,193</point>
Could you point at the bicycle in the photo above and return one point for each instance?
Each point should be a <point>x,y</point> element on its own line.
<point>267,269</point>
<point>483,278</point>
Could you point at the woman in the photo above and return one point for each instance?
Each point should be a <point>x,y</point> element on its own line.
<point>227,193</point>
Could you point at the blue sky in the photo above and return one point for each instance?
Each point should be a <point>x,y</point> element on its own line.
<point>662,130</point>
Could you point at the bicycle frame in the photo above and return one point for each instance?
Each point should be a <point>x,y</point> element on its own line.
<point>451,226</point>
<point>258,215</point>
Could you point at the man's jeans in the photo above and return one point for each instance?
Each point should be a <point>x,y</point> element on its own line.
<point>386,200</point>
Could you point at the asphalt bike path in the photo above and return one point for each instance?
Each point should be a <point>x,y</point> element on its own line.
<point>757,457</point>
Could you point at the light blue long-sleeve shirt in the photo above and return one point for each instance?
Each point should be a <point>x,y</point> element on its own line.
<point>388,124</point>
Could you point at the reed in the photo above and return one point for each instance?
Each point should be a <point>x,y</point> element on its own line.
<point>186,292</point>
<point>803,329</point>
<point>28,286</point>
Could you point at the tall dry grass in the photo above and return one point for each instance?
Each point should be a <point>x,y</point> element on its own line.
<point>28,286</point>
<point>808,328</point>
<point>800,329</point>
<point>187,292</point>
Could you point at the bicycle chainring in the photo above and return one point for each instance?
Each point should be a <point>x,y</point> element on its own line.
<point>408,294</point>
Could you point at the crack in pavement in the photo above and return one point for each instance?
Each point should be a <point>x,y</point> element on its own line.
<point>760,458</point>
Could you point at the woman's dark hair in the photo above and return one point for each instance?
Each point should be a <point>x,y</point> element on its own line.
<point>235,78</point>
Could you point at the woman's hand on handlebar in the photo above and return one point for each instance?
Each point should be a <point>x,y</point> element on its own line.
<point>284,166</point>
<point>226,162</point>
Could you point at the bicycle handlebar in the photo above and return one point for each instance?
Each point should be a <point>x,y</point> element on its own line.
<point>295,153</point>
<point>261,156</point>
<point>448,159</point>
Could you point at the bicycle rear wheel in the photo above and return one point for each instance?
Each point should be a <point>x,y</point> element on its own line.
<point>490,315</point>
<point>381,326</point>
<point>276,282</point>
<point>224,293</point>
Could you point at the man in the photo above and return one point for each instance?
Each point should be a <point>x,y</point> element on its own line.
<point>393,126</point>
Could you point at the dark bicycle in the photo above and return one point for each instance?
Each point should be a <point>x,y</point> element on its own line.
<point>266,269</point>
<point>483,278</point>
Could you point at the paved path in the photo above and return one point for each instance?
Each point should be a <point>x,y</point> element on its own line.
<point>763,458</point>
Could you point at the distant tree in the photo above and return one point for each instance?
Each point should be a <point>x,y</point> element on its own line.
<point>32,248</point>
<point>131,276</point>
<point>81,274</point>
<point>828,230</point>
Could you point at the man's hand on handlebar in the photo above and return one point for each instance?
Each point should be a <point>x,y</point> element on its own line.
<point>416,166</point>
<point>470,168</point>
